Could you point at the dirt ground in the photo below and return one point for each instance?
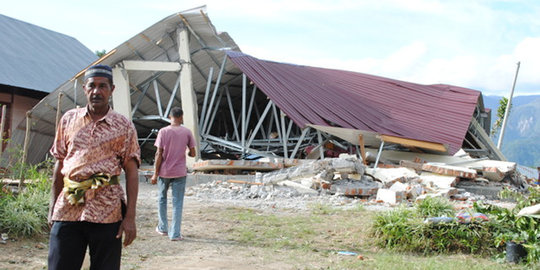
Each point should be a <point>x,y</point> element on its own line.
<point>204,246</point>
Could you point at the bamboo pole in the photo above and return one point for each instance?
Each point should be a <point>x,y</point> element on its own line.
<point>58,109</point>
<point>2,126</point>
<point>25,146</point>
<point>362,148</point>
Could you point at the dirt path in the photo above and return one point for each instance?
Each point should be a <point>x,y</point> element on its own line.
<point>204,246</point>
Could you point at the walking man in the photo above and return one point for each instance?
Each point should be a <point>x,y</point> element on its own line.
<point>88,209</point>
<point>170,170</point>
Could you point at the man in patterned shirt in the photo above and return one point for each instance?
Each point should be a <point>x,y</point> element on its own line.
<point>92,146</point>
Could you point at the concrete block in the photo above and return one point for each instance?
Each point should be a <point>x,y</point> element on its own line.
<point>347,165</point>
<point>389,196</point>
<point>444,169</point>
<point>495,170</point>
<point>389,176</point>
<point>399,187</point>
<point>438,181</point>
<point>446,193</point>
<point>354,188</point>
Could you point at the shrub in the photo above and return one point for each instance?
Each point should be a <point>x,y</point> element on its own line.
<point>397,229</point>
<point>25,213</point>
<point>523,229</point>
<point>435,207</point>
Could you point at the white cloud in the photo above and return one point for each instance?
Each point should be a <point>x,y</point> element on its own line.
<point>528,53</point>
<point>404,58</point>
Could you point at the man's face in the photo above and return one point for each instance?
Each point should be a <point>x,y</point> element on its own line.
<point>98,90</point>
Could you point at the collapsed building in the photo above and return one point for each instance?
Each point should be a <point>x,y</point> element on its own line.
<point>241,107</point>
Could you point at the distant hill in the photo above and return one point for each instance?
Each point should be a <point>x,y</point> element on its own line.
<point>521,141</point>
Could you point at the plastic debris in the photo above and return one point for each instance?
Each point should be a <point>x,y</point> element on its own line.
<point>466,217</point>
<point>436,220</point>
<point>347,253</point>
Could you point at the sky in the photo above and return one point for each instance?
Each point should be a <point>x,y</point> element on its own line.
<point>469,43</point>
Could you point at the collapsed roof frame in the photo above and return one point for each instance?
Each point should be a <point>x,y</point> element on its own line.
<point>236,117</point>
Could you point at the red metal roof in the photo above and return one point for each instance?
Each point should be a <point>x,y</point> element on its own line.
<point>311,95</point>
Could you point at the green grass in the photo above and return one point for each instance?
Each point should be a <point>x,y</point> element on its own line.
<point>312,240</point>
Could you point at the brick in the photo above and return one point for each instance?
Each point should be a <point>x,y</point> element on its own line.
<point>449,170</point>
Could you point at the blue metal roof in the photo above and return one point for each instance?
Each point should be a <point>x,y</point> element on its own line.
<point>36,58</point>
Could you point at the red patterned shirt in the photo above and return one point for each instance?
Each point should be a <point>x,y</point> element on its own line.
<point>86,148</point>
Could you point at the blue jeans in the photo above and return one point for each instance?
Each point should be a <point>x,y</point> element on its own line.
<point>178,188</point>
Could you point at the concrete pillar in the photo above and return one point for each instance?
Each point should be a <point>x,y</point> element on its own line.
<point>187,95</point>
<point>120,96</point>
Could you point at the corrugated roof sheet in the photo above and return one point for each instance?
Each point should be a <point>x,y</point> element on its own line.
<point>319,96</point>
<point>36,58</point>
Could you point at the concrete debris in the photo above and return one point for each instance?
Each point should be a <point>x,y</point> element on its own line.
<point>323,169</point>
<point>390,196</point>
<point>437,180</point>
<point>531,210</point>
<point>449,170</point>
<point>399,187</point>
<point>350,187</point>
<point>303,189</point>
<point>417,166</point>
<point>388,176</point>
<point>408,177</point>
<point>226,164</point>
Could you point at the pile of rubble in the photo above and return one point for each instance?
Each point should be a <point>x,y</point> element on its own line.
<point>346,181</point>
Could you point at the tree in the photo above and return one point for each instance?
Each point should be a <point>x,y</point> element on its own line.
<point>503,102</point>
<point>100,53</point>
